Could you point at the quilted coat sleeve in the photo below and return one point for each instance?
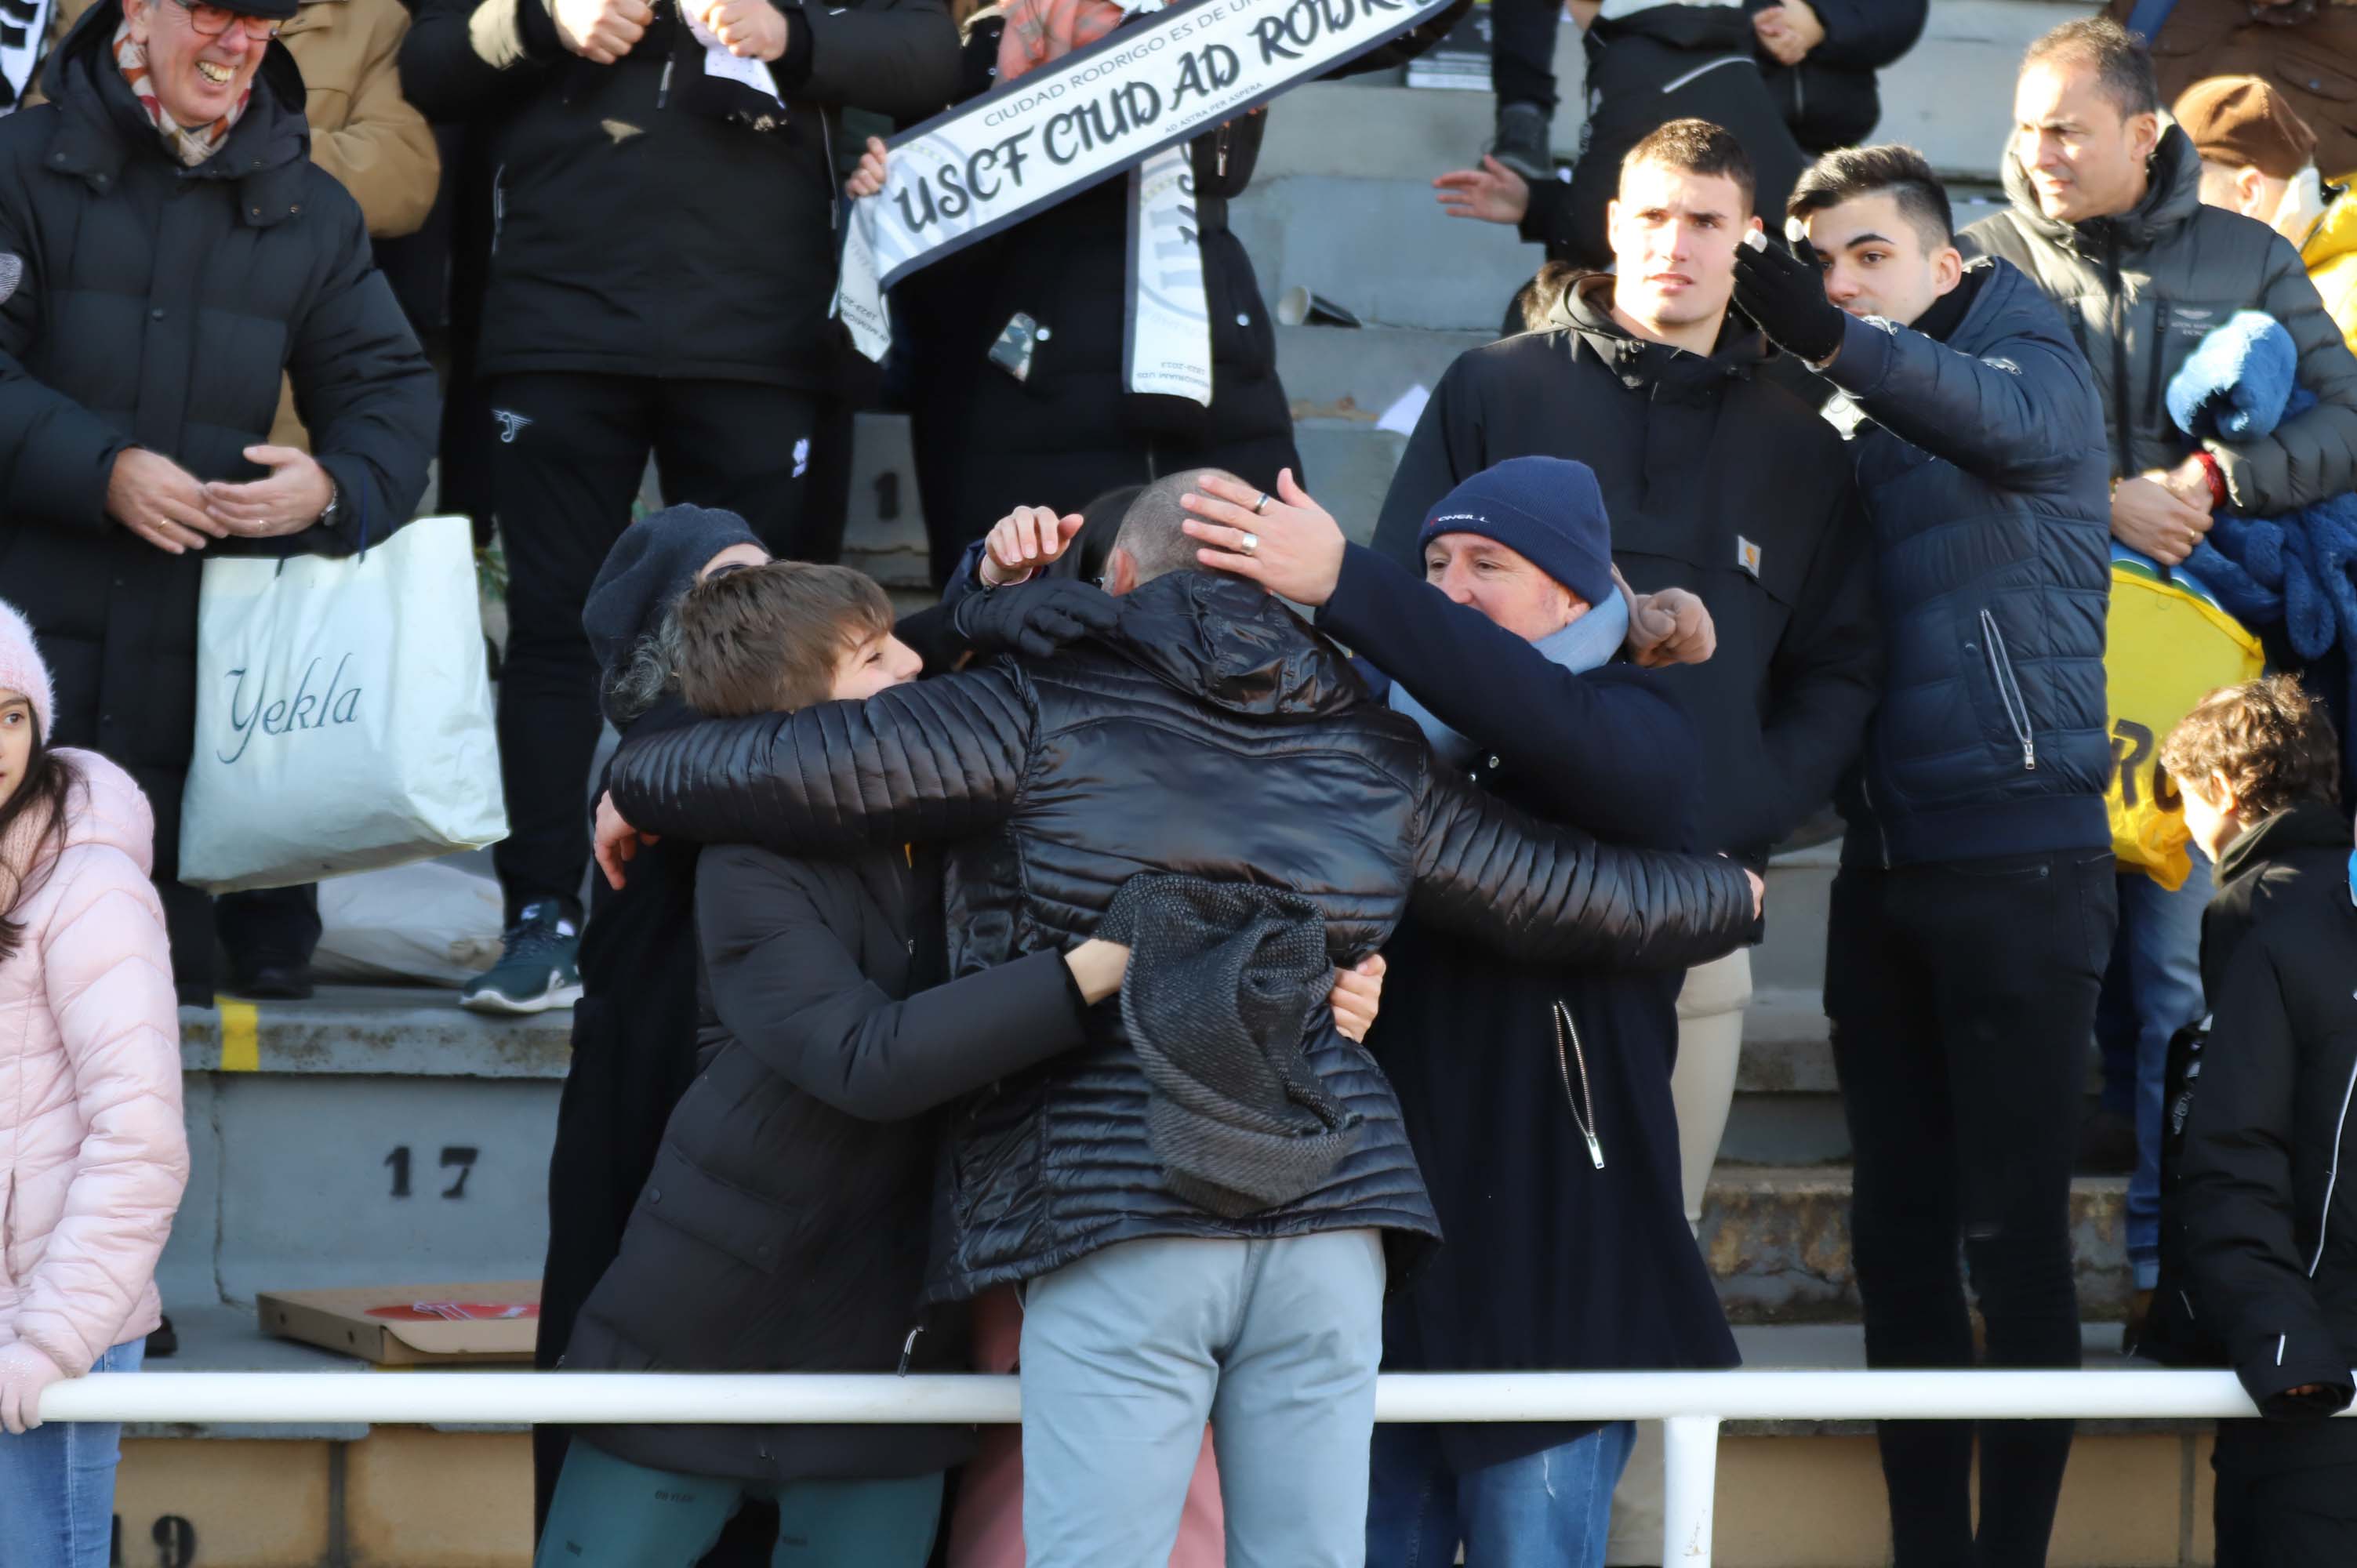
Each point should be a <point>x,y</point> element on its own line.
<point>55,456</point>
<point>2026,411</point>
<point>790,990</point>
<point>1552,895</point>
<point>462,59</point>
<point>365,391</point>
<point>2314,456</point>
<point>927,762</point>
<point>2236,1185</point>
<point>107,968</point>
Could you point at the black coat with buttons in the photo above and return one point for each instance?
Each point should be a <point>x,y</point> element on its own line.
<point>785,1224</point>
<point>1560,1255</point>
<point>152,306</point>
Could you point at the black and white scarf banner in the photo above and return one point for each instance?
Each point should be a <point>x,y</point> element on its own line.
<point>24,36</point>
<point>1151,86</point>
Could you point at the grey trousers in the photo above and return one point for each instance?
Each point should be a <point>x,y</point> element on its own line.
<point>1127,1352</point>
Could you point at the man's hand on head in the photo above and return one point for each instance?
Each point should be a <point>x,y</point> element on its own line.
<point>617,842</point>
<point>1286,542</point>
<point>1493,193</point>
<point>602,31</point>
<point>2146,516</point>
<point>160,502</point>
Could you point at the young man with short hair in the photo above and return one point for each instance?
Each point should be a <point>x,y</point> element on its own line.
<point>1716,480</point>
<point>2266,1228</point>
<point>2107,219</point>
<point>1973,917</point>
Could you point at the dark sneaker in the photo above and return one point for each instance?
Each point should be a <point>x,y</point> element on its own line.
<point>275,982</point>
<point>538,965</point>
<point>1523,143</point>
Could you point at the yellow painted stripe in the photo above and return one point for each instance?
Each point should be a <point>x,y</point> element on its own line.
<point>240,1035</point>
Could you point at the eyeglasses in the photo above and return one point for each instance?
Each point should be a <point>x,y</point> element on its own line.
<point>212,21</point>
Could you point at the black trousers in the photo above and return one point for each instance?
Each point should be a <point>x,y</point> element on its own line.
<point>1523,35</point>
<point>1963,996</point>
<point>566,467</point>
<point>2281,1508</point>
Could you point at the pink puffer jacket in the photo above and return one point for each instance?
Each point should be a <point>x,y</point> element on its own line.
<point>93,1152</point>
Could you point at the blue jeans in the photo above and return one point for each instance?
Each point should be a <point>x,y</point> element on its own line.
<point>2154,989</point>
<point>1548,1510</point>
<point>57,1485</point>
<point>1127,1352</point>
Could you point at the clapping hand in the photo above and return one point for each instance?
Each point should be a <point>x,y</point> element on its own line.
<point>1789,31</point>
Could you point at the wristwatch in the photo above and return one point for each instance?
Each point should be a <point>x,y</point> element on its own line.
<point>327,517</point>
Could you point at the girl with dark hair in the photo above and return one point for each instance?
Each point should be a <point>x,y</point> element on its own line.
<point>89,1043</point>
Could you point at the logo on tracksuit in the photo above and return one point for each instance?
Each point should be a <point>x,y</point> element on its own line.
<point>508,424</point>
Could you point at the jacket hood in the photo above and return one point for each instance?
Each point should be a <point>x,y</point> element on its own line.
<point>2172,196</point>
<point>1585,309</point>
<point>271,134</point>
<point>2304,825</point>
<point>1233,645</point>
<point>2335,234</point>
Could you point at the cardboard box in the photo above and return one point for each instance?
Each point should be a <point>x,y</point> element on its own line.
<point>412,1326</point>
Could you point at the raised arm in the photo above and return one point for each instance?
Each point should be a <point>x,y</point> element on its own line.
<point>1556,896</point>
<point>465,57</point>
<point>930,761</point>
<point>2235,1183</point>
<point>2028,411</point>
<point>1445,448</point>
<point>789,989</point>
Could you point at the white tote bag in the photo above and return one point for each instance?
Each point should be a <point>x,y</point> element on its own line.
<point>343,713</point>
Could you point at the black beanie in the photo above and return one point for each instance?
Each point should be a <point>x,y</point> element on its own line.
<point>654,562</point>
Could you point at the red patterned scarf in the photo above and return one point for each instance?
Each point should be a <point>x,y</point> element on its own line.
<point>191,148</point>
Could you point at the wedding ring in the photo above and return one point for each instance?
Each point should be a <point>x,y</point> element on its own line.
<point>1249,542</point>
<point>1260,505</point>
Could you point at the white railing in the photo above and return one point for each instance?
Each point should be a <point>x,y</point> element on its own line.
<point>1691,1404</point>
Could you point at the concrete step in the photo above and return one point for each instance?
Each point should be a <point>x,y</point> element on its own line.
<point>1777,1240</point>
<point>370,1136</point>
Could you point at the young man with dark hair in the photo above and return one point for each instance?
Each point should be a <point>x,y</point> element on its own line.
<point>1716,480</point>
<point>2106,217</point>
<point>1973,917</point>
<point>2268,1274</point>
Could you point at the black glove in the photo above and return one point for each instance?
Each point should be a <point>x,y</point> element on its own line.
<point>1035,618</point>
<point>1785,296</point>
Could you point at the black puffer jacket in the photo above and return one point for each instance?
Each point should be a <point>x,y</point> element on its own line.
<point>158,307</point>
<point>1210,733</point>
<point>2141,291</point>
<point>783,1228</point>
<point>2268,1229</point>
<point>635,235</point>
<point>1981,461</point>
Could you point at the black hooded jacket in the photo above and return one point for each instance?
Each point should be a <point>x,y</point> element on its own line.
<point>158,307</point>
<point>635,231</point>
<point>1210,733</point>
<point>2268,1231</point>
<point>1717,481</point>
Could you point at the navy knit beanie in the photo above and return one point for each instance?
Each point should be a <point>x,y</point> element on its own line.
<point>651,566</point>
<point>1548,510</point>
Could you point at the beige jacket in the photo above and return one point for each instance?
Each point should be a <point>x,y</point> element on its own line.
<point>363,130</point>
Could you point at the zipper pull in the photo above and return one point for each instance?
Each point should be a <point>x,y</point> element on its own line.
<point>2029,756</point>
<point>1594,1149</point>
<point>1221,163</point>
<point>908,1350</point>
<point>662,89</point>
